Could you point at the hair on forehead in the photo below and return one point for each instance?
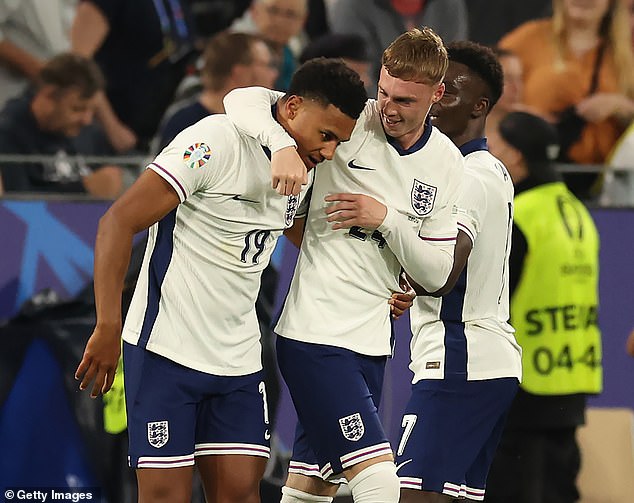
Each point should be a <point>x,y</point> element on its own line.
<point>483,62</point>
<point>330,82</point>
<point>417,55</point>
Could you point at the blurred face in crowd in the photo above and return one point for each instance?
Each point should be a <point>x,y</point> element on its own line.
<point>279,20</point>
<point>404,106</point>
<point>586,11</point>
<point>362,68</point>
<point>264,71</point>
<point>513,83</point>
<point>462,101</point>
<point>65,111</point>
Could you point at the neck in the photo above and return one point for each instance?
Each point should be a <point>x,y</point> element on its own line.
<point>212,101</point>
<point>583,36</point>
<point>474,131</point>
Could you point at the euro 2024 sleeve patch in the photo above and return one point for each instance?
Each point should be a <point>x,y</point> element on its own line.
<point>196,155</point>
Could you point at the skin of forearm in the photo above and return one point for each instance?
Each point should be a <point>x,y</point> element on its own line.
<point>113,249</point>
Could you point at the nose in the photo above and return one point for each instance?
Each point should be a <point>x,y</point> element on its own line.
<point>328,150</point>
<point>388,107</point>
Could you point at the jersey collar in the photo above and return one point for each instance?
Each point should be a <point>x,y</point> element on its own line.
<point>420,143</point>
<point>473,146</point>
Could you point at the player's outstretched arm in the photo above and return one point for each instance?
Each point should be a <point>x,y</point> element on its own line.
<point>148,200</point>
<point>250,110</point>
<point>426,264</point>
<point>460,256</point>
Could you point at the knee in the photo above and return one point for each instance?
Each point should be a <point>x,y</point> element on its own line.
<point>378,483</point>
<point>158,492</point>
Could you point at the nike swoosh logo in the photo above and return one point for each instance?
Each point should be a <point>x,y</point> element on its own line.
<point>401,465</point>
<point>267,435</point>
<point>238,197</point>
<point>352,165</point>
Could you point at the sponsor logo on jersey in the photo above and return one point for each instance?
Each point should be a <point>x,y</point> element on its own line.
<point>158,433</point>
<point>196,155</point>
<point>352,427</point>
<point>291,208</point>
<point>238,197</point>
<point>432,365</point>
<point>352,165</point>
<point>423,197</point>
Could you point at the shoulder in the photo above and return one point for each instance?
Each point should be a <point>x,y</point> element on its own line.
<point>529,32</point>
<point>444,148</point>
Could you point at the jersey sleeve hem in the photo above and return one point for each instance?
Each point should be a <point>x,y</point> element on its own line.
<point>169,178</point>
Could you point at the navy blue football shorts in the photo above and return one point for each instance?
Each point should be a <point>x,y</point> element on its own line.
<point>176,413</point>
<point>336,393</point>
<point>451,429</point>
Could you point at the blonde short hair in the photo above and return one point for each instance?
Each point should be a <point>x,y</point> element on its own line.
<point>417,55</point>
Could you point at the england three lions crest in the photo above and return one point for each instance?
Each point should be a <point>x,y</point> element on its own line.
<point>423,197</point>
<point>352,427</point>
<point>291,209</point>
<point>158,433</point>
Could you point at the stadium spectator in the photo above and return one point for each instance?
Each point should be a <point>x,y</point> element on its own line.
<point>230,60</point>
<point>381,21</point>
<point>578,69</point>
<point>142,47</point>
<point>278,22</point>
<point>349,47</point>
<point>31,32</point>
<point>511,98</point>
<point>55,120</point>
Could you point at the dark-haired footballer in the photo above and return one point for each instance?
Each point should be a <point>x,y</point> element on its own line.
<point>192,355</point>
<point>464,356</point>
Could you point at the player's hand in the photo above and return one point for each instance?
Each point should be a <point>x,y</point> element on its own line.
<point>99,362</point>
<point>350,210</point>
<point>288,172</point>
<point>402,301</point>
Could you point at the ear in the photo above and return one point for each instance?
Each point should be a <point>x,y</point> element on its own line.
<point>292,105</point>
<point>480,108</point>
<point>438,93</point>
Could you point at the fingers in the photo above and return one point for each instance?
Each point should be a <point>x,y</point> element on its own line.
<point>341,197</point>
<point>81,368</point>
<point>287,187</point>
<point>108,384</point>
<point>88,376</point>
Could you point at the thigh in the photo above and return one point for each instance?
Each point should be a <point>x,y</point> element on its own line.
<point>234,419</point>
<point>172,485</point>
<point>450,431</point>
<point>335,393</point>
<point>161,409</point>
<point>231,478</point>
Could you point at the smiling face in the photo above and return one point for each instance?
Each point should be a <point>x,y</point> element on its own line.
<point>404,106</point>
<point>316,128</point>
<point>461,103</point>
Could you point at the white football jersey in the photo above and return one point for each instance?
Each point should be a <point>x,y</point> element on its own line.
<point>194,302</point>
<point>466,332</point>
<point>344,278</point>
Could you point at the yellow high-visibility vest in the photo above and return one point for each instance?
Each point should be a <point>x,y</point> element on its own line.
<point>555,305</point>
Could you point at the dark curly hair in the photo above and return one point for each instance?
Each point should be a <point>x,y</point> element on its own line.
<point>482,61</point>
<point>330,81</point>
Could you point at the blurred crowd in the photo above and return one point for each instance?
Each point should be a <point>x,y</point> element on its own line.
<point>81,79</point>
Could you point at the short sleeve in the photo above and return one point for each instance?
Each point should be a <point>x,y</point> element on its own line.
<point>471,206</point>
<point>198,157</point>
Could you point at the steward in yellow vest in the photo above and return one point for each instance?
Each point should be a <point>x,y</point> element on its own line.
<point>553,283</point>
